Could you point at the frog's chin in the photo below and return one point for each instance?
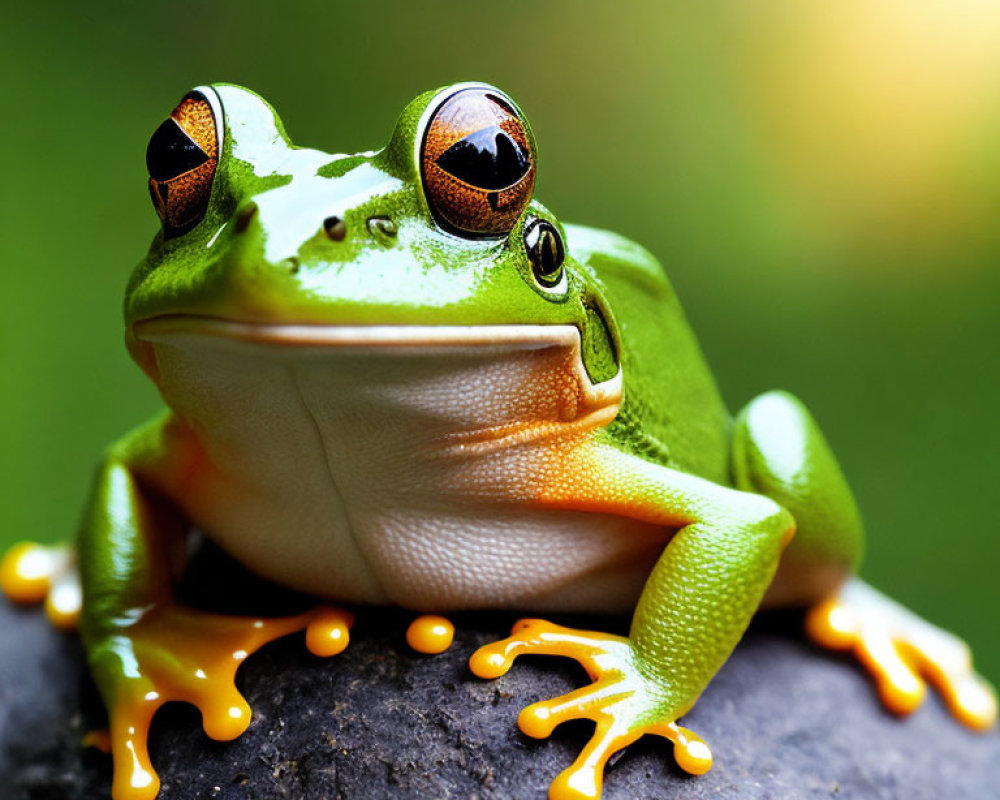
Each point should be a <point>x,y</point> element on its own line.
<point>310,340</point>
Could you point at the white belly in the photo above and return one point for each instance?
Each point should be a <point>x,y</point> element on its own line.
<point>335,471</point>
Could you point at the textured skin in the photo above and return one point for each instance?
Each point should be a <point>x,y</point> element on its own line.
<point>779,451</point>
<point>385,506</point>
<point>544,475</point>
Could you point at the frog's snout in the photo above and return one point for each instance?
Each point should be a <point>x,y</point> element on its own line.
<point>380,227</point>
<point>335,228</point>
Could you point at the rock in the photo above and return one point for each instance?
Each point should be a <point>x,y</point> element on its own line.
<point>784,721</point>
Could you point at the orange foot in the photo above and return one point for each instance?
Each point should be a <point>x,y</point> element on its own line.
<point>622,701</point>
<point>430,634</point>
<point>177,653</point>
<point>33,573</point>
<point>900,650</point>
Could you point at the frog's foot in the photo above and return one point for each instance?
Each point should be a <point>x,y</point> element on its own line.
<point>177,653</point>
<point>33,573</point>
<point>430,634</point>
<point>624,703</point>
<point>900,649</point>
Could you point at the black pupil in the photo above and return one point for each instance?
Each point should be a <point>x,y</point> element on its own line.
<point>549,260</point>
<point>489,159</point>
<point>546,251</point>
<point>171,152</point>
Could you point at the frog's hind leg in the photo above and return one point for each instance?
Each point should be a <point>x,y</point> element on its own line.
<point>33,573</point>
<point>901,650</point>
<point>779,451</point>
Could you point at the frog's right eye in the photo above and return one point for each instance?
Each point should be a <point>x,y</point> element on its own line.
<point>477,161</point>
<point>181,158</point>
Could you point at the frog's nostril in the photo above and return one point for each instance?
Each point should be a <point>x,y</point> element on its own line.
<point>382,226</point>
<point>335,228</point>
<point>244,217</point>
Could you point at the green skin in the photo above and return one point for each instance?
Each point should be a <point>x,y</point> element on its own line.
<point>731,486</point>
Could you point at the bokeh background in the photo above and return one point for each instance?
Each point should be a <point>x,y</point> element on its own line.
<point>821,181</point>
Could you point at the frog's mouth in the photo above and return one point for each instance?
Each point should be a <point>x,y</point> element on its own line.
<point>553,350</point>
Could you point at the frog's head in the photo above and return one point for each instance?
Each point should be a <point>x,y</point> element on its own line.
<point>435,239</point>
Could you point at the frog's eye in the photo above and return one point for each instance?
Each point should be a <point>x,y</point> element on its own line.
<point>546,252</point>
<point>477,161</point>
<point>181,159</point>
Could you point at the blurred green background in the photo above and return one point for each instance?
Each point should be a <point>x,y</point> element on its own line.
<point>821,181</point>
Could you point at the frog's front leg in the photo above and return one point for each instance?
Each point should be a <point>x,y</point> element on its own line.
<point>145,649</point>
<point>779,451</point>
<point>693,610</point>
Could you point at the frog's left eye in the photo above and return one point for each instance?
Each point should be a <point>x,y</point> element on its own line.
<point>477,161</point>
<point>546,252</point>
<point>181,158</point>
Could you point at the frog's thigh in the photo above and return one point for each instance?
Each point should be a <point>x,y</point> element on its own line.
<point>779,451</point>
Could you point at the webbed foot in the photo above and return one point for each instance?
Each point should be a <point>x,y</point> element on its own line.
<point>34,573</point>
<point>624,703</point>
<point>901,650</point>
<point>176,653</point>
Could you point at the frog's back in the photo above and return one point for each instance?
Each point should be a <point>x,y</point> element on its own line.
<point>672,411</point>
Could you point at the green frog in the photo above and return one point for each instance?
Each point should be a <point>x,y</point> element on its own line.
<point>395,377</point>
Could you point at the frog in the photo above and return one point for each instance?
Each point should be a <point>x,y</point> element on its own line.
<point>394,377</point>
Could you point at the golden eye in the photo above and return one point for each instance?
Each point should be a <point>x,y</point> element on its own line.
<point>478,163</point>
<point>181,159</point>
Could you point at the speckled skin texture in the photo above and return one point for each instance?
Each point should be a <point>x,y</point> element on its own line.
<point>494,471</point>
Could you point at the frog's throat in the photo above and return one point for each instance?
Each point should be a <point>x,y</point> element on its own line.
<point>604,397</point>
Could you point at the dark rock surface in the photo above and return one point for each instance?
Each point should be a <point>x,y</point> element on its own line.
<point>784,720</point>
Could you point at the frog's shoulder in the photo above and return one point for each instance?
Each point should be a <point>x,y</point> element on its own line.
<point>613,258</point>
